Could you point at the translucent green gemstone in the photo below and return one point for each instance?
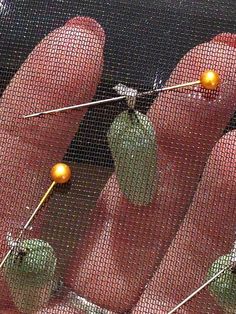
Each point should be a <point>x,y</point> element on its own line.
<point>133,146</point>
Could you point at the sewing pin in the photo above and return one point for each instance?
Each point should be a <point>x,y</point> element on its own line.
<point>209,79</point>
<point>60,173</point>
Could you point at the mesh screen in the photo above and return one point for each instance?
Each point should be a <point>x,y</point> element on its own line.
<point>150,205</point>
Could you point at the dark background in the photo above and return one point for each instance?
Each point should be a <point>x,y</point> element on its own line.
<point>145,40</point>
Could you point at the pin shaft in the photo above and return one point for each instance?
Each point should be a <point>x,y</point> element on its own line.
<point>39,205</point>
<point>169,88</point>
<point>199,289</point>
<point>29,221</point>
<point>114,99</point>
<point>98,102</point>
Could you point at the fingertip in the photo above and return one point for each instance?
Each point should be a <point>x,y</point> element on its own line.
<point>223,159</point>
<point>225,147</point>
<point>8,310</point>
<point>89,24</point>
<point>226,38</point>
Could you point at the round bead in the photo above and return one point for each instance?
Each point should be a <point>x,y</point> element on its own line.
<point>210,79</point>
<point>60,173</point>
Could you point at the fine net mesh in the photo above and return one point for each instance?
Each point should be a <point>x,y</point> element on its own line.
<point>150,204</point>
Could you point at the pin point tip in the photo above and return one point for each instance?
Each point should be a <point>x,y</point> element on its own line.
<point>32,115</point>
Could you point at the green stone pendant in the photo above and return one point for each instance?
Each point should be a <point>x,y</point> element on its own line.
<point>30,273</point>
<point>133,146</point>
<point>223,288</point>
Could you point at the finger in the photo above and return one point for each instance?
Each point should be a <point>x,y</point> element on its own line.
<point>226,38</point>
<point>132,239</point>
<point>207,232</point>
<point>66,305</point>
<point>8,310</point>
<point>60,308</point>
<point>63,69</point>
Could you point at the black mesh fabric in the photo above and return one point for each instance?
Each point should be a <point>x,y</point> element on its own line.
<point>151,202</point>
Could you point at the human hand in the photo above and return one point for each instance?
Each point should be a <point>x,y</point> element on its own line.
<point>127,242</point>
<point>65,68</point>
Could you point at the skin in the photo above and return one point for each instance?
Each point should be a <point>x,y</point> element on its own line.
<point>60,308</point>
<point>196,177</point>
<point>207,232</point>
<point>199,241</point>
<point>125,251</point>
<point>63,69</point>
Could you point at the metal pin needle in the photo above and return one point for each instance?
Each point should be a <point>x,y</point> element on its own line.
<point>199,289</point>
<point>60,173</point>
<point>209,79</point>
<point>28,222</point>
<point>98,102</point>
<point>114,99</point>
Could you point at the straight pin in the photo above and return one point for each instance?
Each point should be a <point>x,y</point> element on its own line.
<point>199,289</point>
<point>209,79</point>
<point>60,173</point>
<point>230,266</point>
<point>88,104</point>
<point>169,88</point>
